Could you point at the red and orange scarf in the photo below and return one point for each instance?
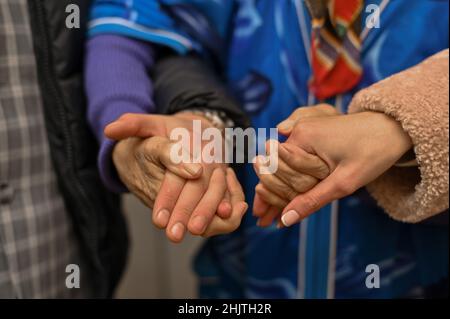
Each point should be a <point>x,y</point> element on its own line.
<point>336,46</point>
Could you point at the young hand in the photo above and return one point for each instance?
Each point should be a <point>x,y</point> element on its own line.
<point>356,147</point>
<point>275,191</point>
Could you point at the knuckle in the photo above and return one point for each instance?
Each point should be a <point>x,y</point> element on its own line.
<point>311,202</point>
<point>291,159</point>
<point>275,201</point>
<point>158,150</point>
<point>154,149</point>
<point>153,144</point>
<point>139,155</point>
<point>344,187</point>
<point>127,116</point>
<point>324,106</point>
<point>149,194</point>
<point>266,180</point>
<point>291,194</point>
<point>234,193</point>
<point>297,130</point>
<point>330,110</point>
<point>322,171</point>
<point>300,183</point>
<point>282,190</point>
<point>302,131</point>
<point>306,131</point>
<point>298,111</point>
<point>183,211</point>
<point>169,195</point>
<point>318,166</point>
<point>259,188</point>
<point>202,184</point>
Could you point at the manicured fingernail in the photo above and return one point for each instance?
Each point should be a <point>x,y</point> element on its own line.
<point>258,222</point>
<point>285,125</point>
<point>162,218</point>
<point>178,231</point>
<point>244,208</point>
<point>193,169</point>
<point>290,218</point>
<point>198,224</point>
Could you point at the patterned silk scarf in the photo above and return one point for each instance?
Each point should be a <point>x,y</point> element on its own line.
<point>336,46</point>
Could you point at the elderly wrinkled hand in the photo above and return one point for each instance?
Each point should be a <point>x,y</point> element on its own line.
<point>205,199</point>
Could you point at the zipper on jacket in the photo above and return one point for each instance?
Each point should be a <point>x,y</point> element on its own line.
<point>53,86</point>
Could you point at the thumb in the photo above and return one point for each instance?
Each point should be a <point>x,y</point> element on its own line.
<point>322,194</point>
<point>136,125</point>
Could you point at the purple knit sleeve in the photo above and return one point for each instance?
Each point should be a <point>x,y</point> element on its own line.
<point>116,82</point>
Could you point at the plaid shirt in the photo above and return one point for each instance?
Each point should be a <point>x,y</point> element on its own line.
<point>36,237</point>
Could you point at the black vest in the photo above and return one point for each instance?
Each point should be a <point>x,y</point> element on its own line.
<point>95,213</point>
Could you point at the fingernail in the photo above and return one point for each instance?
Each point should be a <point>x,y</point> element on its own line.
<point>244,208</point>
<point>285,125</point>
<point>162,218</point>
<point>193,169</point>
<point>178,231</point>
<point>290,218</point>
<point>199,224</point>
<point>258,222</point>
<point>226,207</point>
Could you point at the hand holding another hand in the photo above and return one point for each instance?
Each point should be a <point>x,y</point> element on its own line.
<point>275,191</point>
<point>357,148</point>
<point>184,197</point>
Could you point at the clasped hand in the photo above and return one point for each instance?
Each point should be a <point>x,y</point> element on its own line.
<point>327,156</point>
<point>204,199</point>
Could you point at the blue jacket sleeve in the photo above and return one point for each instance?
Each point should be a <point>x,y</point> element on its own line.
<point>182,25</point>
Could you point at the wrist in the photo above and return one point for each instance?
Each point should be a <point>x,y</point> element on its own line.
<point>194,116</point>
<point>216,118</point>
<point>107,167</point>
<point>123,149</point>
<point>400,142</point>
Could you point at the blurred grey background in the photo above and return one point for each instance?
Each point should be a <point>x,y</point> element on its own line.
<point>156,267</point>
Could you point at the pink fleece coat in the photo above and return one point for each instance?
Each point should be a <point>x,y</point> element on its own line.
<point>419,99</point>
